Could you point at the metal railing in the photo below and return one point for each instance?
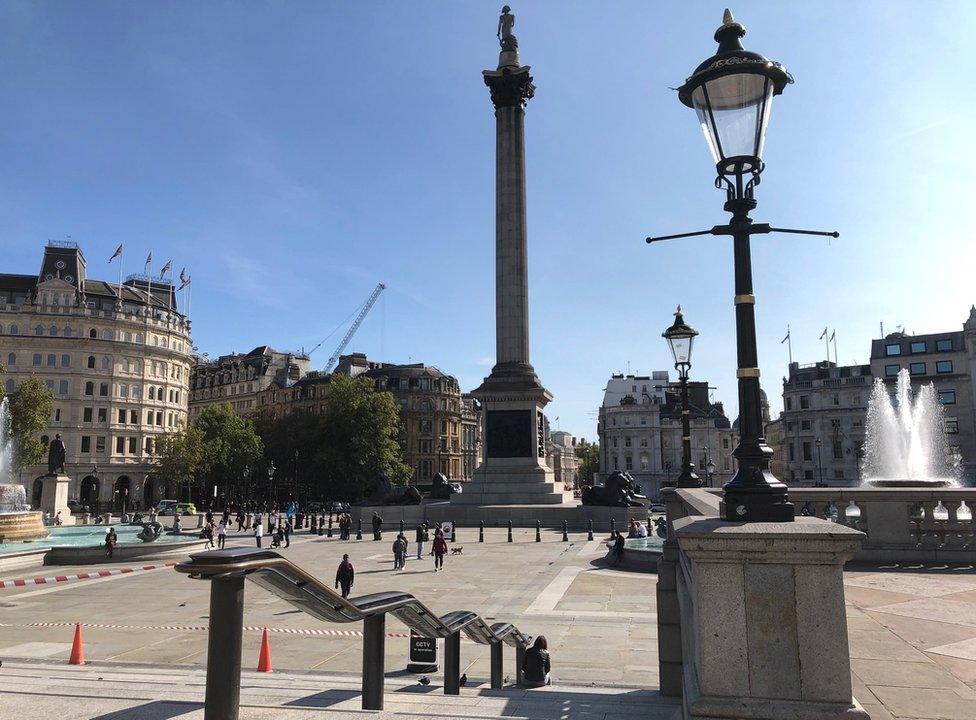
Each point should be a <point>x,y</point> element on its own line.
<point>227,570</point>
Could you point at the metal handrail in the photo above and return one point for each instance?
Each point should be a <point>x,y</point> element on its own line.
<point>227,569</point>
<point>278,575</point>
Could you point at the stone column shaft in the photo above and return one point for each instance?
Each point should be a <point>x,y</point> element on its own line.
<point>511,256</point>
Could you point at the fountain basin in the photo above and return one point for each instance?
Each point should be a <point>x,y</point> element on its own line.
<point>640,553</point>
<point>910,483</point>
<point>19,526</point>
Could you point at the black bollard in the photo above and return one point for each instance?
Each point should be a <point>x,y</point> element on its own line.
<point>613,524</point>
<point>453,531</point>
<point>510,531</point>
<point>538,532</point>
<point>312,532</point>
<point>330,526</point>
<point>401,527</point>
<point>359,529</point>
<point>565,531</point>
<point>589,529</point>
<point>481,531</point>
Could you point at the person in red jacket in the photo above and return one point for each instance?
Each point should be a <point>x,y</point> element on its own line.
<point>440,550</point>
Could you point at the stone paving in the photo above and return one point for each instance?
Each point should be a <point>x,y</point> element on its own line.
<point>912,631</point>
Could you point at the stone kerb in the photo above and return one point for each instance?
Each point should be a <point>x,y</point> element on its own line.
<point>763,622</point>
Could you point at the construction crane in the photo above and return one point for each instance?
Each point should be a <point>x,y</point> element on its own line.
<point>364,311</point>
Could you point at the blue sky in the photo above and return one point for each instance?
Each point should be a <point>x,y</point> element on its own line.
<point>292,155</point>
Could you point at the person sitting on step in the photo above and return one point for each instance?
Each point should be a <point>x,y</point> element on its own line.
<point>536,666</point>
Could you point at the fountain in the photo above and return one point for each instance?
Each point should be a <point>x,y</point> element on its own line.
<point>17,520</point>
<point>905,443</point>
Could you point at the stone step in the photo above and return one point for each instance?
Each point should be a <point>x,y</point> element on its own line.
<point>128,691</point>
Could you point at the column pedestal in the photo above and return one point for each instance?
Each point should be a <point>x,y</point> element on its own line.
<point>54,498</point>
<point>763,621</point>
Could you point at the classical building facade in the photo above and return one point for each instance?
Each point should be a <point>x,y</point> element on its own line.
<point>472,419</point>
<point>821,431</point>
<point>947,360</point>
<point>562,458</point>
<point>239,379</point>
<point>640,431</point>
<point>116,358</point>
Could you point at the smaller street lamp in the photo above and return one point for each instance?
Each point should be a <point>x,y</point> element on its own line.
<point>819,444</point>
<point>709,471</point>
<point>271,472</point>
<point>681,339</point>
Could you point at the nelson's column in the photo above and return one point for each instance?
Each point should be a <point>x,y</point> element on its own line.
<point>514,470</point>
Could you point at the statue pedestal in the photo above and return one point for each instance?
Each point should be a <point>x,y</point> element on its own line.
<point>54,498</point>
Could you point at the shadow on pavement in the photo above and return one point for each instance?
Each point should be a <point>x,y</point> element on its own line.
<point>155,710</point>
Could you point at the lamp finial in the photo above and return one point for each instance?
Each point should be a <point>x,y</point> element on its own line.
<point>727,18</point>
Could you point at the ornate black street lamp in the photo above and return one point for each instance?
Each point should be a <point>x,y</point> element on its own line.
<point>681,339</point>
<point>709,472</point>
<point>732,92</point>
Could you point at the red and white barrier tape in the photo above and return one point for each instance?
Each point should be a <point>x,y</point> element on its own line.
<point>25,582</point>
<point>319,632</point>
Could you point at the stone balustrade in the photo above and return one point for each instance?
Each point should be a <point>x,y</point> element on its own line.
<point>901,524</point>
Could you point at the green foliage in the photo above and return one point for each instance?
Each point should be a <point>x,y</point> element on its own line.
<point>589,457</point>
<point>31,405</point>
<point>230,444</point>
<point>180,456</point>
<point>346,447</point>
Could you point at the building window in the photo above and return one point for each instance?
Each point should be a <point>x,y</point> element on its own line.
<point>52,360</point>
<point>123,390</point>
<point>86,443</point>
<point>100,444</point>
<point>789,403</point>
<point>804,402</point>
<point>807,451</point>
<point>88,414</point>
<point>102,415</point>
<point>57,414</point>
<point>65,361</point>
<point>792,454</point>
<point>943,367</point>
<point>122,416</point>
<point>89,388</point>
<point>804,424</point>
<point>947,397</point>
<point>49,384</point>
<point>36,362</point>
<point>917,346</point>
<point>916,368</point>
<point>892,370</point>
<point>93,334</point>
<point>951,425</point>
<point>627,441</point>
<point>12,359</point>
<point>893,349</point>
<point>133,445</point>
<point>120,446</point>
<point>808,474</point>
<point>943,345</point>
<point>91,362</point>
<point>62,387</point>
<point>103,389</point>
<point>628,462</point>
<point>9,385</point>
<point>134,417</point>
<point>836,399</point>
<point>105,363</point>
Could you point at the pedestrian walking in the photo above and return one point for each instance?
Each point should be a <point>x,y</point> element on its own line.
<point>240,521</point>
<point>440,550</point>
<point>287,533</point>
<point>258,532</point>
<point>422,537</point>
<point>377,526</point>
<point>399,553</point>
<point>345,576</point>
<point>208,534</point>
<point>221,534</point>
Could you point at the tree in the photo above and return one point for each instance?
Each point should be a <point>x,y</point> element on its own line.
<point>358,438</point>
<point>230,444</point>
<point>31,405</point>
<point>179,456</point>
<point>589,461</point>
<point>345,448</point>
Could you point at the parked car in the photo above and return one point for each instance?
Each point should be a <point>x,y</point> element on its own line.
<point>656,507</point>
<point>172,507</point>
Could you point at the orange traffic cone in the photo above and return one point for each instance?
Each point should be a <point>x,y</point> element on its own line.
<point>77,648</point>
<point>264,659</point>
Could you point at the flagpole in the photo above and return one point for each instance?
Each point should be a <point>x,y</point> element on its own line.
<point>149,265</point>
<point>121,260</point>
<point>827,343</point>
<point>834,336</point>
<point>789,343</point>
